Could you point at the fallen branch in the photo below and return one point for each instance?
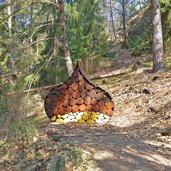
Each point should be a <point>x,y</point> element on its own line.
<point>45,88</point>
<point>48,88</point>
<point>109,75</point>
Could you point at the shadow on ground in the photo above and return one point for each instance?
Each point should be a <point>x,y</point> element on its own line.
<point>114,149</point>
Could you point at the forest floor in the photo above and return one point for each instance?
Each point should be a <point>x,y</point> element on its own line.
<point>138,137</point>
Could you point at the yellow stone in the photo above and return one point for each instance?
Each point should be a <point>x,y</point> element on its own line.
<point>64,116</point>
<point>86,114</point>
<point>81,121</point>
<point>94,117</point>
<point>53,118</point>
<point>59,116</point>
<point>90,121</point>
<point>85,117</point>
<point>60,120</point>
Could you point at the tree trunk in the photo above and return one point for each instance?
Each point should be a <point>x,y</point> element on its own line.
<point>157,40</point>
<point>124,23</point>
<point>65,39</point>
<point>11,59</point>
<point>112,19</point>
<point>31,18</point>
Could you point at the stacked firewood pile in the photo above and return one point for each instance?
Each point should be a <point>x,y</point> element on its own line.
<point>78,100</point>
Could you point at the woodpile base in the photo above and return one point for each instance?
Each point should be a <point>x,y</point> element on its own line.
<point>82,117</point>
<point>78,100</point>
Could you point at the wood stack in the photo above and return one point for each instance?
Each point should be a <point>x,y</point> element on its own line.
<point>77,94</point>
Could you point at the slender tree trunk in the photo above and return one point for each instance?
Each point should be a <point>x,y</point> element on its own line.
<point>140,4</point>
<point>113,25</point>
<point>31,18</point>
<point>65,39</point>
<point>11,59</point>
<point>157,38</point>
<point>124,23</point>
<point>112,19</point>
<point>54,30</point>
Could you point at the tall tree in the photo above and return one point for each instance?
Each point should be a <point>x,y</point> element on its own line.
<point>121,8</point>
<point>67,54</point>
<point>157,38</point>
<point>124,4</point>
<point>11,59</point>
<point>112,18</point>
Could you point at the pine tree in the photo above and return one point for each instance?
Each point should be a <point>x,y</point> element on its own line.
<point>157,38</point>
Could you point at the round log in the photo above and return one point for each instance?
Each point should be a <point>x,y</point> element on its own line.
<point>87,100</point>
<point>65,102</point>
<point>82,107</point>
<point>69,91</point>
<point>89,87</point>
<point>96,108</point>
<point>76,94</point>
<point>64,86</point>
<point>81,88</point>
<point>80,77</point>
<point>89,107</point>
<point>84,93</point>
<point>92,93</point>
<point>68,82</point>
<point>67,96</point>
<point>82,83</point>
<point>74,86</point>
<point>109,105</point>
<point>103,109</point>
<point>59,104</point>
<point>68,109</point>
<point>80,100</point>
<point>109,112</point>
<point>74,80</point>
<point>62,110</point>
<point>93,101</point>
<point>72,101</point>
<point>100,96</point>
<point>106,99</point>
<point>101,103</point>
<point>75,108</point>
<point>63,91</point>
<point>55,111</point>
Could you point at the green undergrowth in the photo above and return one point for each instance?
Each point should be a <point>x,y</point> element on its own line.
<point>168,62</point>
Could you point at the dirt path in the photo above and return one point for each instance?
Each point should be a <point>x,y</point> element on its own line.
<point>138,137</point>
<point>111,149</point>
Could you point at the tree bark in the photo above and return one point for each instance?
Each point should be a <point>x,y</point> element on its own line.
<point>157,37</point>
<point>112,20</point>
<point>124,23</point>
<point>65,39</point>
<point>11,59</point>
